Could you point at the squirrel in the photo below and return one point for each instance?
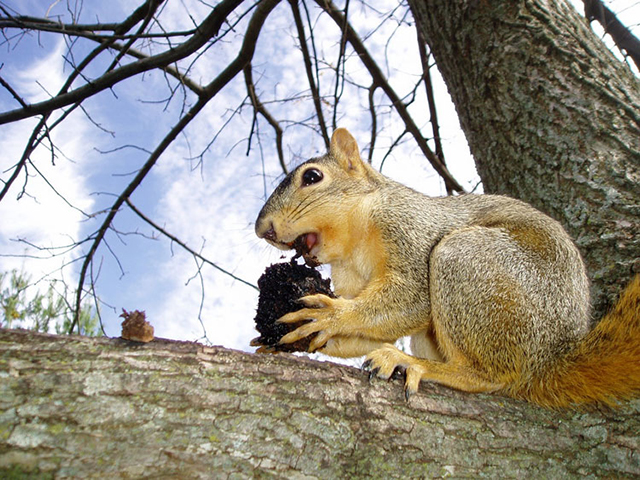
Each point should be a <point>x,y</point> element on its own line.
<point>493,293</point>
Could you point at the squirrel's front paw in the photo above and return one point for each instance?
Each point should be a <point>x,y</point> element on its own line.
<point>387,361</point>
<point>325,311</point>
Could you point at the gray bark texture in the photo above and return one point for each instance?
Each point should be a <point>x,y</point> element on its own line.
<point>552,118</point>
<point>79,407</point>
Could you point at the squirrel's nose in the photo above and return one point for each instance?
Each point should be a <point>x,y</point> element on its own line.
<point>265,229</point>
<point>270,234</point>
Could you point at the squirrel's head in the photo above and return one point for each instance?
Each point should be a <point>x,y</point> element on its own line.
<point>314,206</point>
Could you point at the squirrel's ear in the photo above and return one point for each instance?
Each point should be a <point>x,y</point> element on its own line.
<point>344,148</point>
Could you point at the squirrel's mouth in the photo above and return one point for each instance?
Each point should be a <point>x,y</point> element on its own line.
<point>306,246</point>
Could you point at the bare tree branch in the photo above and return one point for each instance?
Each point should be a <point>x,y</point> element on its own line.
<point>33,23</point>
<point>208,29</point>
<point>341,61</point>
<point>433,111</point>
<point>243,58</point>
<point>374,121</point>
<point>176,240</point>
<point>152,7</point>
<point>621,35</point>
<point>309,71</point>
<point>13,93</point>
<point>380,79</point>
<point>173,71</point>
<point>37,136</point>
<point>260,108</point>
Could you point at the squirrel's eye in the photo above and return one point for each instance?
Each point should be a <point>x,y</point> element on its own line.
<point>313,175</point>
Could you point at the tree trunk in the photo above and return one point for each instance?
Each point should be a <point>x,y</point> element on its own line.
<point>79,407</point>
<point>551,116</point>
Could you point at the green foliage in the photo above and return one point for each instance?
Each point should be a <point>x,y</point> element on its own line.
<point>22,306</point>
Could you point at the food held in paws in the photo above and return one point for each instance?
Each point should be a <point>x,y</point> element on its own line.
<point>281,286</point>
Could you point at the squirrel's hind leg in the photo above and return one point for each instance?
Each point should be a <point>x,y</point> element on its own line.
<point>384,361</point>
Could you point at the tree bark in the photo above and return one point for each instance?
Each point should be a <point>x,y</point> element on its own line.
<point>79,407</point>
<point>551,116</point>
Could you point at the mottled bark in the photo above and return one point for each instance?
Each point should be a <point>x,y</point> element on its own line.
<point>551,116</point>
<point>77,407</point>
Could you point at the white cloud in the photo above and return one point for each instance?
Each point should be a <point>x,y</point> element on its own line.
<point>41,216</point>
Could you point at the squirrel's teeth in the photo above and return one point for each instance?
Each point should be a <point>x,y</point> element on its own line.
<point>310,240</point>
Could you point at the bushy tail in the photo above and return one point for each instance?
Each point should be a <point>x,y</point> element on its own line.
<point>603,368</point>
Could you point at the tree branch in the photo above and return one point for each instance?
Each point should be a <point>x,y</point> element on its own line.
<point>244,57</point>
<point>13,93</point>
<point>170,70</point>
<point>208,28</point>
<point>110,408</point>
<point>374,120</point>
<point>315,93</point>
<point>260,108</point>
<point>433,111</point>
<point>36,137</point>
<point>176,240</point>
<point>621,35</point>
<point>148,15</point>
<point>380,79</point>
<point>341,20</point>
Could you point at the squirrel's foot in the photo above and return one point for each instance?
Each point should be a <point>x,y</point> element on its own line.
<point>388,362</point>
<point>328,315</point>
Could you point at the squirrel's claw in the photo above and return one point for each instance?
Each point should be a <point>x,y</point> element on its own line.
<point>390,363</point>
<point>294,317</point>
<point>372,372</point>
<point>379,366</point>
<point>407,393</point>
<point>319,326</point>
<point>298,334</point>
<point>317,307</point>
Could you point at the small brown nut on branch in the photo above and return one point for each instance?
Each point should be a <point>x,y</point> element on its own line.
<point>135,327</point>
<point>281,286</point>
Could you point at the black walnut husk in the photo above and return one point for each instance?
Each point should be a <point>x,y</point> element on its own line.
<point>135,327</point>
<point>281,286</point>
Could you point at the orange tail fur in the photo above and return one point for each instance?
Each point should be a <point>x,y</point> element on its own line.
<point>604,367</point>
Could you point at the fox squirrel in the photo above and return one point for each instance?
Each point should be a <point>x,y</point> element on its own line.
<point>493,293</point>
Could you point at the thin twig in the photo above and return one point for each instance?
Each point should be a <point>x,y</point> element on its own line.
<point>260,108</point>
<point>176,240</point>
<point>13,93</point>
<point>36,137</point>
<point>433,112</point>
<point>315,92</point>
<point>152,7</point>
<point>341,20</point>
<point>374,120</point>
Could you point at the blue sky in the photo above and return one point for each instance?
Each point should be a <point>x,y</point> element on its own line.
<point>209,202</point>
